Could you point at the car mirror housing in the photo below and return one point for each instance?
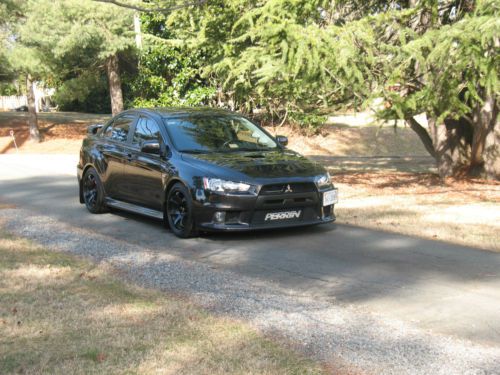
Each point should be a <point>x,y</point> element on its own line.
<point>93,129</point>
<point>151,147</point>
<point>282,140</point>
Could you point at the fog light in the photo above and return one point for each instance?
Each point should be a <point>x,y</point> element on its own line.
<point>219,216</point>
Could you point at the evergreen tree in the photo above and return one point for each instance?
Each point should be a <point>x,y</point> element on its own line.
<point>438,57</point>
<point>76,39</point>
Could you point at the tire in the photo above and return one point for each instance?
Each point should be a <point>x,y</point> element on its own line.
<point>179,212</point>
<point>93,192</point>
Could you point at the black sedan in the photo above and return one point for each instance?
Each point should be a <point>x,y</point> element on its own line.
<point>201,170</point>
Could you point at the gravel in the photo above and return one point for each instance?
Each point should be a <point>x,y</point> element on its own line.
<point>345,337</point>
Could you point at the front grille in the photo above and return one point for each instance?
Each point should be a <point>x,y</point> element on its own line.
<point>291,201</point>
<point>298,187</point>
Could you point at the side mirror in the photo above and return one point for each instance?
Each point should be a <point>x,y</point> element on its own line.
<point>93,129</point>
<point>151,147</point>
<point>282,140</point>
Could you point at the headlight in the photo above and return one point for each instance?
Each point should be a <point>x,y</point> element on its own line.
<point>324,181</point>
<point>218,185</point>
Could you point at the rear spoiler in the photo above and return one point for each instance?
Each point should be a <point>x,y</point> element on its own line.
<point>93,129</point>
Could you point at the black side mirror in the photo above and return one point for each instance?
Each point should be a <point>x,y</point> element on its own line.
<point>93,129</point>
<point>151,147</point>
<point>165,151</point>
<point>282,140</point>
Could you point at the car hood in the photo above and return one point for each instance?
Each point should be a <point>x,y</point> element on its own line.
<point>255,165</point>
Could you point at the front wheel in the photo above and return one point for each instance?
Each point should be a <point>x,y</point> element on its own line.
<point>179,212</point>
<point>93,192</point>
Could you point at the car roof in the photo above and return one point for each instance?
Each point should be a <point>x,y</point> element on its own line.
<point>182,111</point>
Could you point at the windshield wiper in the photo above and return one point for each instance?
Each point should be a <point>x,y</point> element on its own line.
<point>194,151</point>
<point>248,149</point>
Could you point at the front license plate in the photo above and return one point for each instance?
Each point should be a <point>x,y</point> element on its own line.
<point>283,215</point>
<point>330,197</point>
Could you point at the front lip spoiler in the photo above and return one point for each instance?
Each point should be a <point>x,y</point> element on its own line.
<point>247,228</point>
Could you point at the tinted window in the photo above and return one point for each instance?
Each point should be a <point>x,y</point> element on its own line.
<point>108,130</point>
<point>118,129</point>
<point>146,130</point>
<point>217,133</point>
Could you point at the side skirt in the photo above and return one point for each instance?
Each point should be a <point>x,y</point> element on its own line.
<point>134,208</point>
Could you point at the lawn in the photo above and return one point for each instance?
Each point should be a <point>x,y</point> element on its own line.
<point>420,204</point>
<point>64,315</point>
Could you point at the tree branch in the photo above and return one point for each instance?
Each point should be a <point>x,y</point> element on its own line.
<point>149,10</point>
<point>423,135</point>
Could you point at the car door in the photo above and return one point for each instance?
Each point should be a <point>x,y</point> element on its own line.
<point>113,150</point>
<point>144,171</point>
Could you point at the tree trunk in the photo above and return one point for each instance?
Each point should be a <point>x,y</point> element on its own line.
<point>452,142</point>
<point>485,156</point>
<point>115,84</point>
<point>32,117</point>
<point>448,144</point>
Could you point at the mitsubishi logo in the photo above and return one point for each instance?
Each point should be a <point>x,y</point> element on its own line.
<point>288,189</point>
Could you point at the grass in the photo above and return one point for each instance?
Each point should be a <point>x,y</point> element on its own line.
<point>341,140</point>
<point>461,212</point>
<point>60,314</point>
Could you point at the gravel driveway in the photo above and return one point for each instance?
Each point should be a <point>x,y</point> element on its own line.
<point>353,330</point>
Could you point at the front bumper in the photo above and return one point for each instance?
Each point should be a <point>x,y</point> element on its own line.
<point>246,213</point>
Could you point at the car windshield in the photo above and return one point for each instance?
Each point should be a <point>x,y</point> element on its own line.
<point>204,134</point>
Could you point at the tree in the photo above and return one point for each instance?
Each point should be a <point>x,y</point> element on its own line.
<point>168,74</point>
<point>448,67</point>
<point>437,57</point>
<point>20,60</point>
<point>78,38</point>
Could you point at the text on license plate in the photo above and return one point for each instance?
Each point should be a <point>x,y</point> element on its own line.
<point>330,197</point>
<point>271,216</point>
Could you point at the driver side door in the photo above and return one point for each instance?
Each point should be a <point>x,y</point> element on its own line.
<point>143,171</point>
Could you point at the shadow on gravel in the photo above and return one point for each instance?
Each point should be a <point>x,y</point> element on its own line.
<point>405,275</point>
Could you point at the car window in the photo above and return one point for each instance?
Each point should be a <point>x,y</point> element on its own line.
<point>217,133</point>
<point>119,128</point>
<point>146,130</point>
<point>108,130</point>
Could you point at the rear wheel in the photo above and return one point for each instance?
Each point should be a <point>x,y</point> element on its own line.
<point>179,212</point>
<point>93,192</point>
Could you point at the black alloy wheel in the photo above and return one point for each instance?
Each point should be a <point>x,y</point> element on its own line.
<point>180,211</point>
<point>93,193</point>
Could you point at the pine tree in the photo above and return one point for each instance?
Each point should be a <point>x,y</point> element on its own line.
<point>437,57</point>
<point>74,38</point>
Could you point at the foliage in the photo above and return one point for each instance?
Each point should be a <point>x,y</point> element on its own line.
<point>287,60</point>
<point>9,88</point>
<point>86,93</point>
<point>280,56</point>
<point>67,44</point>
<point>168,76</point>
<point>309,123</point>
<point>459,64</point>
